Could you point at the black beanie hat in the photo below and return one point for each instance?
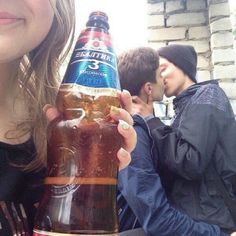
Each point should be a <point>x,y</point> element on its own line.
<point>183,56</point>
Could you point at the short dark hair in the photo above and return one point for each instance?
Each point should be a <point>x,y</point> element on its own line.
<point>136,67</point>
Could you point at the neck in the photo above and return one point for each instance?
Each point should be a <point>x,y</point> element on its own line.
<point>8,82</point>
<point>13,109</point>
<point>143,97</point>
<point>188,82</point>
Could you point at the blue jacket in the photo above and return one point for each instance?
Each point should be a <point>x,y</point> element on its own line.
<point>141,190</point>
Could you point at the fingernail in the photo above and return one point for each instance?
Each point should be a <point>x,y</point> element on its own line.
<point>123,152</point>
<point>126,91</point>
<point>115,110</point>
<point>124,124</point>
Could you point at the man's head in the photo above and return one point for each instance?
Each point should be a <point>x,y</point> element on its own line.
<point>178,66</point>
<point>139,73</point>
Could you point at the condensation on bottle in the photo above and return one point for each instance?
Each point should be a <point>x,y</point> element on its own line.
<point>81,183</point>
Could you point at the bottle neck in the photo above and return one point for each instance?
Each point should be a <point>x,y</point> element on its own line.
<point>98,24</point>
<point>98,29</point>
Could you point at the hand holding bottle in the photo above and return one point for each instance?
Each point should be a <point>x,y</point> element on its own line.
<point>125,127</point>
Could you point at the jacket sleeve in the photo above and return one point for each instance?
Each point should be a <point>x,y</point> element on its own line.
<point>141,186</point>
<point>188,150</point>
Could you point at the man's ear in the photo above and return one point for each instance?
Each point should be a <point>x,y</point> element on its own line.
<point>146,93</point>
<point>147,87</point>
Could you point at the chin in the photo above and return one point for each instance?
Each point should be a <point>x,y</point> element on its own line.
<point>169,93</point>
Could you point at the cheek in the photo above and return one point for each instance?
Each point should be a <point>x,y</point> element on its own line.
<point>41,12</point>
<point>161,87</point>
<point>26,36</point>
<point>169,86</point>
<point>41,21</point>
<point>40,6</point>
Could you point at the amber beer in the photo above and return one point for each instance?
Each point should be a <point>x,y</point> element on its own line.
<point>80,187</point>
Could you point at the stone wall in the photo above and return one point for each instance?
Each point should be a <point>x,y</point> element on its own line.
<point>204,24</point>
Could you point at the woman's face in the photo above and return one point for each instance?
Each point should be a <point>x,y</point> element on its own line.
<point>24,24</point>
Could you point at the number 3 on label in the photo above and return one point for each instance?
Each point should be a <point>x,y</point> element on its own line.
<point>94,65</point>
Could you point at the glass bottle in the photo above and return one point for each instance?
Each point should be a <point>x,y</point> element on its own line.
<point>81,182</point>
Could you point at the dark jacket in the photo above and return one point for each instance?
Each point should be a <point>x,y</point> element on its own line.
<point>201,138</point>
<point>141,187</point>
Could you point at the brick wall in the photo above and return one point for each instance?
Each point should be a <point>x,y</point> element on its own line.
<point>204,24</point>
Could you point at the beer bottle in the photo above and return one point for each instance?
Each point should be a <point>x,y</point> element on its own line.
<point>80,187</point>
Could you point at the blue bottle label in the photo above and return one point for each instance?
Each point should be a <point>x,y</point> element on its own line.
<point>93,63</point>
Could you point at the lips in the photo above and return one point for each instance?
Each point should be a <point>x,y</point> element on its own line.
<point>7,18</point>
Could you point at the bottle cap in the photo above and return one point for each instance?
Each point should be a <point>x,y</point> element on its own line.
<point>98,19</point>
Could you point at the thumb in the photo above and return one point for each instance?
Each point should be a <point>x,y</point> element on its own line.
<point>51,112</point>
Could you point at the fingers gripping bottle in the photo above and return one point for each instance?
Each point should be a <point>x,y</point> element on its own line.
<point>80,187</point>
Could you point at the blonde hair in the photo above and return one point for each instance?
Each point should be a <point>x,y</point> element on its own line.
<point>39,75</point>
